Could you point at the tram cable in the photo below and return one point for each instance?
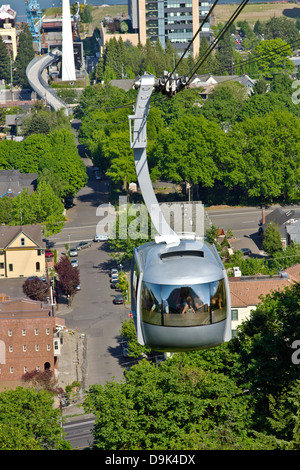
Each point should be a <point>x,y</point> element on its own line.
<point>212,46</point>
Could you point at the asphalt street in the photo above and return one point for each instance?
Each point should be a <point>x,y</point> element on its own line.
<point>93,311</point>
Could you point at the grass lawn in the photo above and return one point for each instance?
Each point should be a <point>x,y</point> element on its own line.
<point>258,11</point>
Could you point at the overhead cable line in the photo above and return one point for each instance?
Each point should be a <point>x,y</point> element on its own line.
<point>211,47</point>
<point>195,35</point>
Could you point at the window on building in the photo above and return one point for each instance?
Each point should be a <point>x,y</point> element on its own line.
<point>39,252</point>
<point>23,332</point>
<point>37,266</point>
<point>36,331</point>
<point>234,314</point>
<point>24,348</point>
<point>11,370</point>
<point>37,368</point>
<point>48,347</point>
<point>22,241</point>
<point>47,331</point>
<point>10,348</point>
<point>25,369</point>
<point>10,267</point>
<point>37,348</point>
<point>9,332</point>
<point>1,265</point>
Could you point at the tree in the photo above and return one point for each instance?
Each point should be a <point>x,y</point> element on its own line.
<point>270,155</point>
<point>225,55</point>
<point>25,55</point>
<point>272,241</point>
<point>281,27</point>
<point>263,350</point>
<point>4,62</point>
<point>189,151</point>
<point>225,102</point>
<point>169,407</point>
<point>28,421</point>
<point>272,57</point>
<point>36,289</point>
<point>68,277</point>
<point>258,28</point>
<point>120,154</point>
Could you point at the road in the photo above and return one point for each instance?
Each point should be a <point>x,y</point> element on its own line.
<point>79,433</point>
<point>93,311</point>
<point>34,75</point>
<point>244,222</point>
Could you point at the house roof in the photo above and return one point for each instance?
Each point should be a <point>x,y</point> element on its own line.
<point>247,292</point>
<point>279,216</point>
<point>125,84</point>
<point>13,182</point>
<point>293,228</point>
<point>8,233</point>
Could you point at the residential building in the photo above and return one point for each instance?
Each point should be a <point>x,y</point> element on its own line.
<point>8,31</point>
<point>246,291</point>
<point>287,222</point>
<point>22,251</point>
<point>207,82</point>
<point>29,339</point>
<point>12,182</point>
<point>177,21</point>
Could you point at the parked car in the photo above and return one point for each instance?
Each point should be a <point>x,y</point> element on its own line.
<point>78,287</point>
<point>246,251</point>
<point>118,299</point>
<point>97,175</point>
<point>100,238</point>
<point>82,245</point>
<point>114,271</point>
<point>114,284</point>
<point>73,252</point>
<point>125,349</point>
<point>74,263</point>
<point>49,254</point>
<point>32,278</point>
<point>114,276</point>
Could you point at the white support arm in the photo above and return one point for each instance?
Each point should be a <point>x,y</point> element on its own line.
<point>138,142</point>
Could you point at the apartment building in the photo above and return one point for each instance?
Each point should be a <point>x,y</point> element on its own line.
<point>176,20</point>
<point>29,339</point>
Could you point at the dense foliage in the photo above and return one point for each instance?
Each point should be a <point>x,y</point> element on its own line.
<point>234,147</point>
<point>28,421</point>
<point>241,395</point>
<point>61,173</point>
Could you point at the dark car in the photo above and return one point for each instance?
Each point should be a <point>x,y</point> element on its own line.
<point>32,278</point>
<point>83,245</point>
<point>114,284</point>
<point>246,251</point>
<point>118,299</point>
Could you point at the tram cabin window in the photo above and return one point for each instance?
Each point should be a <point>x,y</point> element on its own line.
<point>188,305</point>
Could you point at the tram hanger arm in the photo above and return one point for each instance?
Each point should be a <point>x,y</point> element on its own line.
<point>138,142</point>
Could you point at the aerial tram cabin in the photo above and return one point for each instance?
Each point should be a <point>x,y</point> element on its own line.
<point>180,296</point>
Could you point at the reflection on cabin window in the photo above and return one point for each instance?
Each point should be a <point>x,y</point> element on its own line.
<point>188,305</point>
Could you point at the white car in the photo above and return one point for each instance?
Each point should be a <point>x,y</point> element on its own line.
<point>100,238</point>
<point>74,263</point>
<point>73,252</point>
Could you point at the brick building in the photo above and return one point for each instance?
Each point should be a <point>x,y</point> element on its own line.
<point>29,339</point>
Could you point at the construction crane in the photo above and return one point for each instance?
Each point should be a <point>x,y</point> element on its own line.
<point>34,21</point>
